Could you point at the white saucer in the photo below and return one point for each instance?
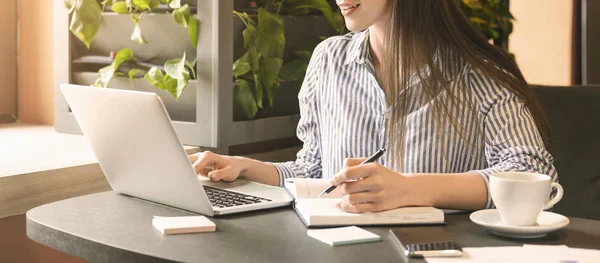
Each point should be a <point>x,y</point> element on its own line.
<point>547,222</point>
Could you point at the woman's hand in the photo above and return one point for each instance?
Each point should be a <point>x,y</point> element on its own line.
<point>229,168</point>
<point>376,188</point>
<point>216,167</point>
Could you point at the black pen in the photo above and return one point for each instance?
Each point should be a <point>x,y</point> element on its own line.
<point>371,159</point>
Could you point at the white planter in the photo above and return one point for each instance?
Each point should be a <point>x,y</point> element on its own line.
<point>204,114</point>
<point>183,109</point>
<point>166,39</point>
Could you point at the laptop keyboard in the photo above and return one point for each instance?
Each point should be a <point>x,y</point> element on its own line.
<point>222,198</point>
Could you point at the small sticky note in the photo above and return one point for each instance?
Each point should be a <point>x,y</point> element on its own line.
<point>343,235</point>
<point>183,224</point>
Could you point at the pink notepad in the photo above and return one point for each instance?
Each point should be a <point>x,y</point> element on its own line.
<point>183,224</point>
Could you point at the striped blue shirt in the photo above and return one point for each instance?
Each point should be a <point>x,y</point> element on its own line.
<point>343,114</point>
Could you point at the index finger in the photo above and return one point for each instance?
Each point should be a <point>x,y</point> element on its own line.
<point>349,162</point>
<point>203,160</point>
<point>193,157</point>
<point>353,173</point>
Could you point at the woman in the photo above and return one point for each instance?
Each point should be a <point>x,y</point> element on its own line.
<point>417,78</point>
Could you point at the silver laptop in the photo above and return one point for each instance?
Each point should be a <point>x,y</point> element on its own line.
<point>140,154</point>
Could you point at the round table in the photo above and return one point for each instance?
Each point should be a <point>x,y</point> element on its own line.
<point>109,227</point>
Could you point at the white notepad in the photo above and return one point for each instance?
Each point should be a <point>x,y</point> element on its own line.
<point>316,211</point>
<point>183,224</point>
<point>343,235</point>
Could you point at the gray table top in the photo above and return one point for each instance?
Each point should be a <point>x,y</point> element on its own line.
<point>108,227</point>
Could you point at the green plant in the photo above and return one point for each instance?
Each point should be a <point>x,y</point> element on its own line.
<point>86,18</point>
<point>259,72</point>
<point>491,17</point>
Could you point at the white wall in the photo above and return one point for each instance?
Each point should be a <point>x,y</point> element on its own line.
<point>8,60</point>
<point>541,40</point>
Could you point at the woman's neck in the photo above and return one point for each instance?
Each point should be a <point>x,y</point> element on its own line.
<point>377,45</point>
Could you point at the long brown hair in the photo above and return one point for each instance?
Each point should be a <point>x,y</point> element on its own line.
<point>420,30</point>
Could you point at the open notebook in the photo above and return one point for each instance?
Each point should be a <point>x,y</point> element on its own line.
<point>320,212</point>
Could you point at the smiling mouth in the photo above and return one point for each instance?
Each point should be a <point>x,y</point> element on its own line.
<point>350,7</point>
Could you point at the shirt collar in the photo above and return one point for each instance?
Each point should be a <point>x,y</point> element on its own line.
<point>358,49</point>
<point>449,63</point>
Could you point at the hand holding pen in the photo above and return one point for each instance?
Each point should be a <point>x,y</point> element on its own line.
<point>373,158</point>
<point>372,187</point>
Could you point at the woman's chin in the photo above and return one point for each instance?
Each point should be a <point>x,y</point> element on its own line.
<point>355,27</point>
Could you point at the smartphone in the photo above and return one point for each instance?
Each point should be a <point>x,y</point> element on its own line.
<point>430,241</point>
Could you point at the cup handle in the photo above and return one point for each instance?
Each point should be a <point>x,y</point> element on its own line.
<point>559,195</point>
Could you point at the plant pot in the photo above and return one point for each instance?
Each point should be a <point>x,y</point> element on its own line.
<point>183,109</point>
<point>115,32</point>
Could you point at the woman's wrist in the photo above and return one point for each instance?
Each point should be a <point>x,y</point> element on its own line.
<point>462,191</point>
<point>423,193</point>
<point>254,170</point>
<point>240,163</point>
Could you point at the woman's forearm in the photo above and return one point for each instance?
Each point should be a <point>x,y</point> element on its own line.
<point>257,171</point>
<point>461,191</point>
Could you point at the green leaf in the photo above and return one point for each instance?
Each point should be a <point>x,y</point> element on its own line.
<point>303,54</point>
<point>321,5</point>
<point>259,91</point>
<point>137,35</point>
<point>182,15</point>
<point>154,4</point>
<point>293,70</point>
<point>175,67</point>
<point>477,20</point>
<point>105,74</point>
<point>473,4</point>
<point>241,66</point>
<point>269,93</point>
<point>253,58</point>
<point>242,95</point>
<point>176,70</point>
<point>120,8</point>
<point>270,40</point>
<point>70,5</point>
<point>156,78</point>
<point>338,23</point>
<point>132,72</point>
<point>175,87</point>
<point>175,4</point>
<point>191,67</point>
<point>105,3</point>
<point>170,85</point>
<point>193,31</point>
<point>141,4</point>
<point>136,19</point>
<point>269,72</point>
<point>182,84</point>
<point>85,20</point>
<point>249,34</point>
<point>245,18</point>
<point>166,2</point>
<point>123,55</point>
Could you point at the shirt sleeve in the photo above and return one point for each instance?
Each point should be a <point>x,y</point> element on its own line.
<point>513,142</point>
<point>308,159</point>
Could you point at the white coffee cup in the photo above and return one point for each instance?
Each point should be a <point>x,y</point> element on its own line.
<point>520,197</point>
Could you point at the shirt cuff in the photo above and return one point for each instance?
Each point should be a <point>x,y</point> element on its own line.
<point>485,175</point>
<point>285,172</point>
